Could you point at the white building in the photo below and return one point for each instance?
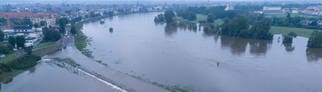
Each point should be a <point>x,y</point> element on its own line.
<point>229,7</point>
<point>313,10</point>
<point>49,21</point>
<point>272,10</point>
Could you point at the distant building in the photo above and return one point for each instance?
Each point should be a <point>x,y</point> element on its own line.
<point>229,7</point>
<point>49,18</point>
<point>23,29</point>
<point>26,14</point>
<point>8,33</point>
<point>291,10</point>
<point>32,35</point>
<point>313,10</point>
<point>272,10</point>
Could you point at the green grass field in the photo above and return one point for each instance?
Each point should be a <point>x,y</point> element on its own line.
<point>285,30</point>
<point>201,17</point>
<point>284,15</point>
<point>46,48</point>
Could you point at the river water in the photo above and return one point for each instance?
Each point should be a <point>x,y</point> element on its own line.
<point>55,77</point>
<point>189,59</point>
<point>203,62</point>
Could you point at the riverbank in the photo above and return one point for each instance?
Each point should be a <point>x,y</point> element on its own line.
<point>17,62</point>
<point>81,40</point>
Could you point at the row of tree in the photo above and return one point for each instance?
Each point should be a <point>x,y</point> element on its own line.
<point>296,21</point>
<point>240,26</point>
<point>17,41</point>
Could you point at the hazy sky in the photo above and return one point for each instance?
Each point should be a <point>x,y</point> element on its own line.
<point>69,1</point>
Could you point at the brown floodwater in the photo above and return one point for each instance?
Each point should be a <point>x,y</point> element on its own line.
<point>204,62</point>
<point>139,54</point>
<point>54,76</point>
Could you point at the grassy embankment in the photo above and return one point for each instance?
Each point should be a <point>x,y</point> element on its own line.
<point>15,63</point>
<point>285,30</point>
<point>199,18</point>
<point>81,41</point>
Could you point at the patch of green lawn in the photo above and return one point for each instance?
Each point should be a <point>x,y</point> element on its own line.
<point>285,30</point>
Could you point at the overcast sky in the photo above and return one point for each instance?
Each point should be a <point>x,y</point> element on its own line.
<point>69,1</point>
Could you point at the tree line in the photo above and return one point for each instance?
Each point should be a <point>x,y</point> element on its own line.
<point>238,23</point>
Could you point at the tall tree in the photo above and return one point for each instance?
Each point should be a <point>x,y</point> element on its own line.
<point>4,49</point>
<point>211,18</point>
<point>62,24</point>
<point>27,21</point>
<point>1,36</point>
<point>169,16</point>
<point>50,34</point>
<point>12,41</point>
<point>315,40</point>
<point>43,23</point>
<point>20,40</point>
<point>73,29</point>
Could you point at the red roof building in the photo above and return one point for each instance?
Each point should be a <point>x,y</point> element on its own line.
<point>26,14</point>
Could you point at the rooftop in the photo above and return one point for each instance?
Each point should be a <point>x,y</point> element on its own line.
<point>26,14</point>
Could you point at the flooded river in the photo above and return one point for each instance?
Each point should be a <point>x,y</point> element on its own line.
<point>140,54</point>
<point>202,62</point>
<point>54,76</point>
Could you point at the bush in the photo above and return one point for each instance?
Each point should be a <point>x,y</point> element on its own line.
<point>24,62</point>
<point>5,49</point>
<point>287,39</point>
<point>315,41</point>
<point>293,34</point>
<point>51,35</point>
<point>4,68</point>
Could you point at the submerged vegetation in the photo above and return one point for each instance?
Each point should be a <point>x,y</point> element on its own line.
<point>239,23</point>
<point>288,39</point>
<point>81,41</point>
<point>315,41</point>
<point>236,23</point>
<point>10,69</point>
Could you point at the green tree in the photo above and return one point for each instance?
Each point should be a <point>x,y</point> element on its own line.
<point>260,29</point>
<point>20,41</point>
<point>233,27</point>
<point>315,40</point>
<point>2,20</point>
<point>50,34</point>
<point>12,41</point>
<point>27,21</point>
<point>36,25</point>
<point>43,23</point>
<point>1,36</point>
<point>5,49</point>
<point>287,39</point>
<point>211,18</point>
<point>169,16</point>
<point>73,29</point>
<point>62,24</point>
<point>159,19</point>
<point>241,26</point>
<point>187,14</point>
<point>28,50</point>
